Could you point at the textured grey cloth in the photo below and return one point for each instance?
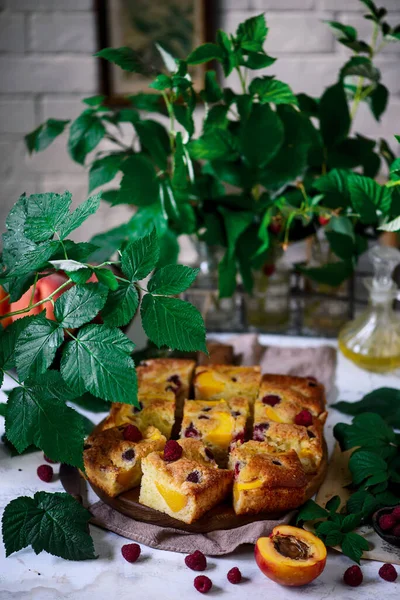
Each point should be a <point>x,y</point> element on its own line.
<point>319,362</point>
<point>215,543</point>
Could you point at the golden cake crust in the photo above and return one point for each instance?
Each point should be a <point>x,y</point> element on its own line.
<point>164,372</point>
<point>312,391</point>
<point>214,382</point>
<point>155,411</point>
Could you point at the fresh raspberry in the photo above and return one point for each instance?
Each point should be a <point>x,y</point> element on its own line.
<point>304,418</point>
<point>258,431</point>
<point>268,270</point>
<point>323,220</point>
<point>271,399</point>
<point>353,576</point>
<point>132,434</point>
<point>202,584</point>
<point>131,552</point>
<point>396,513</point>
<point>396,530</point>
<point>47,459</point>
<point>191,431</point>
<point>45,473</point>
<point>193,477</point>
<point>172,451</point>
<point>388,572</point>
<point>275,227</point>
<point>196,561</point>
<point>234,575</point>
<point>386,522</point>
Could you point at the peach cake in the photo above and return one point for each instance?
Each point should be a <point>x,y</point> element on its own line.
<point>113,462</point>
<point>184,485</point>
<point>218,423</point>
<point>222,382</point>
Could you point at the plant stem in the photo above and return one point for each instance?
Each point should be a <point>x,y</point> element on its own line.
<point>28,308</point>
<point>5,298</point>
<point>242,80</point>
<point>357,98</point>
<point>390,184</point>
<point>33,290</point>
<point>172,120</point>
<point>13,378</point>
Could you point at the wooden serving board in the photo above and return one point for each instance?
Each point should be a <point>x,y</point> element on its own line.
<point>219,517</point>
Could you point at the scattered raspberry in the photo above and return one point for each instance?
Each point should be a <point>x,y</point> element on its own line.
<point>191,432</point>
<point>172,451</point>
<point>209,454</point>
<point>202,584</point>
<point>396,530</point>
<point>304,418</point>
<point>132,434</point>
<point>396,513</point>
<point>45,473</point>
<point>386,522</point>
<point>271,399</point>
<point>353,576</point>
<point>47,459</point>
<point>196,561</point>
<point>259,430</point>
<point>193,477</point>
<point>388,572</point>
<point>131,552</point>
<point>234,575</point>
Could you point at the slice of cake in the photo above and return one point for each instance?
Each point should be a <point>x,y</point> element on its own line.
<point>265,481</point>
<point>166,374</point>
<point>180,485</point>
<point>156,411</point>
<point>304,390</point>
<point>285,406</point>
<point>282,437</point>
<point>215,382</point>
<point>218,423</point>
<point>113,457</point>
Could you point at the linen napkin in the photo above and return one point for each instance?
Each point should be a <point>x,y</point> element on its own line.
<point>319,362</point>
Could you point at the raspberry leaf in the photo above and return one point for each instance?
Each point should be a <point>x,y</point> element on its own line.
<point>121,305</point>
<point>37,346</point>
<point>39,139</point>
<point>97,361</point>
<point>56,523</point>
<point>353,546</point>
<point>140,257</point>
<point>383,401</point>
<point>79,216</point>
<point>172,279</point>
<point>45,214</point>
<point>174,323</point>
<point>80,304</point>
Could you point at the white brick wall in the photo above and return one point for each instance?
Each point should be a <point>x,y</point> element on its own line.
<point>46,68</point>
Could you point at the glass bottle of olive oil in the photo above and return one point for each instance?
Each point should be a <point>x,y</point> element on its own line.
<point>372,340</point>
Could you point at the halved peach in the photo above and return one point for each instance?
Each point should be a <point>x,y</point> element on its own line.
<point>290,556</point>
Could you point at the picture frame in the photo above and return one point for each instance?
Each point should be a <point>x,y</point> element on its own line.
<point>177,25</point>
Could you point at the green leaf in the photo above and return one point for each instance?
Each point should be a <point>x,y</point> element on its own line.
<point>139,184</point>
<point>362,502</point>
<point>205,53</point>
<point>378,100</point>
<point>383,401</point>
<point>154,139</point>
<point>350,522</point>
<point>172,279</point>
<point>161,82</point>
<point>98,361</point>
<point>212,91</point>
<point>333,504</point>
<point>35,415</point>
<point>36,346</point>
<point>334,182</point>
<point>213,144</point>
<point>261,135</point>
<point>332,274</point>
<point>104,170</point>
<point>227,276</point>
<point>169,61</point>
<point>216,117</point>
<point>255,60</point>
<point>236,222</point>
<point>365,465</point>
<point>8,342</point>
<point>360,66</point>
<point>140,257</point>
<point>3,409</point>
<point>272,90</point>
<point>84,135</point>
<point>39,139</point>
<point>334,115</point>
<point>32,258</point>
<point>353,546</point>
<point>391,226</point>
<point>184,116</point>
<point>45,215</point>
<point>179,177</point>
<point>94,100</point>
<point>347,30</point>
<point>308,104</point>
<point>91,403</point>
<point>149,102</point>
<point>79,216</point>
<point>367,430</point>
<point>252,33</point>
<point>124,57</point>
<point>367,196</point>
<point>56,523</point>
<point>169,249</point>
<point>68,265</point>
<point>341,244</point>
<point>121,305</point>
<point>173,323</point>
<point>106,277</point>
<point>310,511</point>
<point>80,304</point>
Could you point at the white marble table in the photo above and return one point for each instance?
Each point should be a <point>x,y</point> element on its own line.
<point>163,575</point>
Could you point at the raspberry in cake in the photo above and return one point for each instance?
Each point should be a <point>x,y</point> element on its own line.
<point>305,391</point>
